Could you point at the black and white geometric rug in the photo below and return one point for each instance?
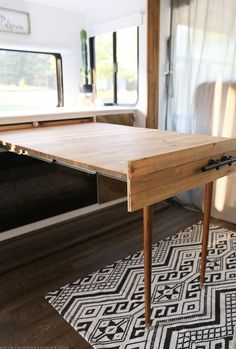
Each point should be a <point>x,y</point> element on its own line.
<point>107,307</point>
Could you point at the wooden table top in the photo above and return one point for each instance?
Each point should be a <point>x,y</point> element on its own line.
<point>107,148</point>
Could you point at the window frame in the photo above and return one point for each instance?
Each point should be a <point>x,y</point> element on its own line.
<point>92,52</point>
<point>59,71</point>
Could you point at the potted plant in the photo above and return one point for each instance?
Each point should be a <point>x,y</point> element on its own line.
<point>87,87</point>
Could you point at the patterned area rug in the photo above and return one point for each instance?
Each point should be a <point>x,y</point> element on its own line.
<point>107,309</point>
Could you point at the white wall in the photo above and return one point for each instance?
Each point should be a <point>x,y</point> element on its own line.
<point>121,8</point>
<point>59,31</point>
<point>116,10</point>
<point>52,30</point>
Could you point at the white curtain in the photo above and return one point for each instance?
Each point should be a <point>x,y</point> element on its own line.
<point>202,88</point>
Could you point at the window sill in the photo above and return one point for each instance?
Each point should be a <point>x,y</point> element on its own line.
<point>62,113</point>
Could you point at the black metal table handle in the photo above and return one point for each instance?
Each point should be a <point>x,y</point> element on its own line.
<point>217,164</point>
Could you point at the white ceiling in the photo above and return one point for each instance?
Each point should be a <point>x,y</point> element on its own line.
<point>84,6</point>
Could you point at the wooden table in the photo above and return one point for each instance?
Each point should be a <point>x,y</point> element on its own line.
<point>155,164</point>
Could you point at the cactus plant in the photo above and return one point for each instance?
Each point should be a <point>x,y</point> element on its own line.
<point>87,88</point>
<point>84,48</point>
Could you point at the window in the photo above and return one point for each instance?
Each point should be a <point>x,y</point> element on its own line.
<point>30,80</point>
<point>115,60</point>
<point>104,68</point>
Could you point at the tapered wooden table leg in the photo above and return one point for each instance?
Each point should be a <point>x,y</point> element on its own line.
<point>206,222</point>
<point>147,231</point>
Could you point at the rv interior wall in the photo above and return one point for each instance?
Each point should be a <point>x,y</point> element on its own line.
<point>124,8</point>
<point>52,30</point>
<point>58,30</point>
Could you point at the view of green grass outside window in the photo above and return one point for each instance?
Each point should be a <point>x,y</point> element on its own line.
<point>127,58</point>
<point>104,67</point>
<point>27,80</point>
<point>116,64</point>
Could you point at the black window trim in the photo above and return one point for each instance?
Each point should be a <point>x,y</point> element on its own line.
<point>115,69</point>
<point>59,71</point>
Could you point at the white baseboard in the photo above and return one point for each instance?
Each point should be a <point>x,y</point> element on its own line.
<point>56,219</point>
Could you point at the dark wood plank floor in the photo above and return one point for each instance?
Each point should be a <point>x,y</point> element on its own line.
<point>32,265</point>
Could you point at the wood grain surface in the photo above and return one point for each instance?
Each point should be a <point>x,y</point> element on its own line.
<point>118,119</point>
<point>153,48</point>
<point>159,185</point>
<point>107,148</point>
<point>110,189</point>
<point>156,164</point>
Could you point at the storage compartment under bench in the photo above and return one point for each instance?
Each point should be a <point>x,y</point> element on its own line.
<point>32,190</point>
